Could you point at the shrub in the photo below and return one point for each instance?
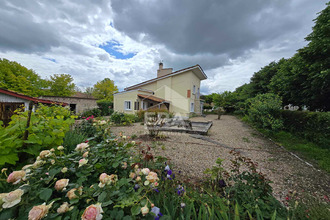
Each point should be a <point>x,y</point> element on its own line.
<point>74,137</point>
<point>47,129</point>
<point>264,111</point>
<point>105,106</point>
<point>97,175</point>
<point>86,127</point>
<point>119,118</point>
<point>95,112</point>
<point>313,126</point>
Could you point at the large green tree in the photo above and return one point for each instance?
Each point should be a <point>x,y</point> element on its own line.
<point>317,60</point>
<point>15,77</point>
<point>61,85</point>
<point>105,89</point>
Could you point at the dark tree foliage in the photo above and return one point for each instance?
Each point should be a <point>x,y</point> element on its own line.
<point>301,80</point>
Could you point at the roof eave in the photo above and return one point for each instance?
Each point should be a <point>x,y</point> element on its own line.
<point>168,75</point>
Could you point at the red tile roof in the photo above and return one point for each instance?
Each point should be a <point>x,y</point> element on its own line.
<point>151,97</point>
<point>33,99</point>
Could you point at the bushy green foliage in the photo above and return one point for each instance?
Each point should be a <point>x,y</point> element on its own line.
<point>313,126</point>
<point>47,129</point>
<point>72,138</point>
<point>264,111</point>
<point>61,85</point>
<point>18,78</point>
<point>119,118</point>
<point>126,192</point>
<point>303,79</point>
<point>105,106</point>
<point>104,89</point>
<point>86,127</point>
<point>95,112</point>
<point>104,173</point>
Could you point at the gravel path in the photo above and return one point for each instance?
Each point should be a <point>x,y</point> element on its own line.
<point>192,156</point>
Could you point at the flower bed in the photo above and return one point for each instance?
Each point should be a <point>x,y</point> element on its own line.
<point>103,179</point>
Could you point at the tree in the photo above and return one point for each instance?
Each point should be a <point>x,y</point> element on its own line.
<point>61,85</point>
<point>105,89</point>
<point>316,58</point>
<point>89,91</point>
<point>15,77</point>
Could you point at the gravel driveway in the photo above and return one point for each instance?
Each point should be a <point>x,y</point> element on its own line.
<point>192,156</point>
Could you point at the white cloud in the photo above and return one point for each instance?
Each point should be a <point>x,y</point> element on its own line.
<point>34,33</point>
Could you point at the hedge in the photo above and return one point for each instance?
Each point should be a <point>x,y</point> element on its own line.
<point>313,126</point>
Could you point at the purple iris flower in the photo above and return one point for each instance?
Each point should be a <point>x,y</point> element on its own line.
<point>169,172</point>
<point>136,187</point>
<point>180,190</point>
<point>222,183</point>
<point>157,212</point>
<point>156,190</point>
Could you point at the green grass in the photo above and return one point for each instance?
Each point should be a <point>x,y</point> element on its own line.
<point>308,150</point>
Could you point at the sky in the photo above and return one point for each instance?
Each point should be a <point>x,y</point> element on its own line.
<point>125,40</point>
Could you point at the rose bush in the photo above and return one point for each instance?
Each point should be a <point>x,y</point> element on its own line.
<point>114,183</point>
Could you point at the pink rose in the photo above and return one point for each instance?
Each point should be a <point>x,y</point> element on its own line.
<point>152,177</point>
<point>40,211</point>
<point>93,212</point>
<point>144,210</point>
<point>16,177</point>
<point>44,153</point>
<point>124,166</point>
<point>145,171</point>
<point>63,208</point>
<point>81,147</point>
<point>82,162</point>
<point>61,184</point>
<point>12,198</point>
<point>104,180</point>
<point>72,195</point>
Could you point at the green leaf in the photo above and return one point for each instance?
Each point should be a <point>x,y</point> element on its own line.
<point>115,164</point>
<point>102,196</point>
<point>135,210</point>
<point>109,202</point>
<point>45,194</point>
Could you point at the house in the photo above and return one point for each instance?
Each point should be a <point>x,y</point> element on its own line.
<point>79,102</point>
<point>177,92</point>
<point>10,101</point>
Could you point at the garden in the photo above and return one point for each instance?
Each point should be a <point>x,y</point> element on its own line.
<point>64,170</point>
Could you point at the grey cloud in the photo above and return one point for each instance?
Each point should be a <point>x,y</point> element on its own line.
<point>20,33</point>
<point>216,27</point>
<point>38,26</point>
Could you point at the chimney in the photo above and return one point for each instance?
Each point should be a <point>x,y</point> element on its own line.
<point>162,72</point>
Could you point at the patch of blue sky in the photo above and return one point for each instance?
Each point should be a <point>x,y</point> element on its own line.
<point>50,59</point>
<point>112,48</point>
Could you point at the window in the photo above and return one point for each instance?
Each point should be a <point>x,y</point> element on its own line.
<point>136,105</point>
<point>127,105</point>
<point>198,94</point>
<point>144,106</point>
<point>194,89</point>
<point>192,107</point>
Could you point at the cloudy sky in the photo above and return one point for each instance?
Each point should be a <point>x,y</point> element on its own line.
<point>125,40</point>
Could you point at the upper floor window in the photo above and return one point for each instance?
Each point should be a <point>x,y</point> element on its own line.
<point>127,105</point>
<point>194,89</point>
<point>198,94</point>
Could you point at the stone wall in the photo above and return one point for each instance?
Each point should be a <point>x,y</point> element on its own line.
<point>81,104</point>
